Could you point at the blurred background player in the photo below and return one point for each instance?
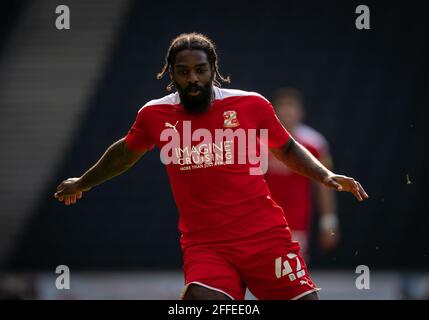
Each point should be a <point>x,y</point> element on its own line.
<point>296,193</point>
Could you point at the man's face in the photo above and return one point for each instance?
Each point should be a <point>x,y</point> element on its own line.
<point>193,77</point>
<point>289,111</point>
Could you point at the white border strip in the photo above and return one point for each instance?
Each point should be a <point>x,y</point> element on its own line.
<point>203,285</point>
<point>305,293</point>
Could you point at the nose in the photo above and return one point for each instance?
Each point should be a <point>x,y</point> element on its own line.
<point>192,78</point>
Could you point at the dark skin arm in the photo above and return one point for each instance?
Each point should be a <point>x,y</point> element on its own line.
<point>300,160</point>
<point>116,160</point>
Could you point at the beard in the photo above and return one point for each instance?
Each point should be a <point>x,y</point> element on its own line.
<point>198,103</point>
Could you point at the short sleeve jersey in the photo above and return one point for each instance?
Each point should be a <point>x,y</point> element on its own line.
<point>209,157</point>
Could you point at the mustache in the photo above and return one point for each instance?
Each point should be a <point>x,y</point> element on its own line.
<point>193,87</point>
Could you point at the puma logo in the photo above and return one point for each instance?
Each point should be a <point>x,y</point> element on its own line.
<point>169,125</point>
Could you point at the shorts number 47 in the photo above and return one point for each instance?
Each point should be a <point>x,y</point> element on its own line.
<point>284,267</point>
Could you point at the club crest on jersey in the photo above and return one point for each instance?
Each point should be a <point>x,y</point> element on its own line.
<point>230,119</point>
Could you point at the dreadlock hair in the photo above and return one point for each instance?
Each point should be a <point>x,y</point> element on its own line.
<point>192,41</point>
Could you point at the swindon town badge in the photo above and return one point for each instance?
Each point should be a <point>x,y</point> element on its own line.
<point>230,119</point>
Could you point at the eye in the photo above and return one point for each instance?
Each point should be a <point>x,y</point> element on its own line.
<point>183,72</point>
<point>201,70</point>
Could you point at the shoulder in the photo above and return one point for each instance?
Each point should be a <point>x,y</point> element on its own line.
<point>311,136</point>
<point>168,100</point>
<point>221,94</point>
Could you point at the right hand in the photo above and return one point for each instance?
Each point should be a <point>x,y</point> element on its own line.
<point>70,191</point>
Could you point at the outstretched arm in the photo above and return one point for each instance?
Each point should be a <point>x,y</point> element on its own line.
<point>300,160</point>
<point>116,160</point>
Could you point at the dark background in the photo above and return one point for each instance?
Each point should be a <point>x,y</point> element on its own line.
<point>365,90</point>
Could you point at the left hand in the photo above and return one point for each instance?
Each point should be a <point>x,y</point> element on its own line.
<point>343,183</point>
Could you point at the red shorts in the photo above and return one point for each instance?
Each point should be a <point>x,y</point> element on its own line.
<point>268,264</point>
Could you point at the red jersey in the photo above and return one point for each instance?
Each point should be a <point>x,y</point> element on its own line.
<point>291,190</point>
<point>217,200</point>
